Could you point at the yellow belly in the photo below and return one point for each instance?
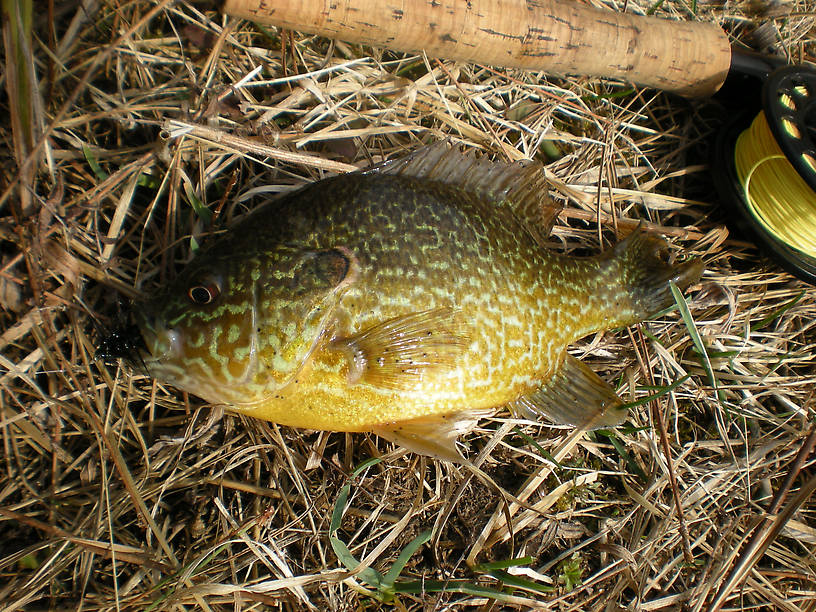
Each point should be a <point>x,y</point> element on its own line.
<point>321,396</point>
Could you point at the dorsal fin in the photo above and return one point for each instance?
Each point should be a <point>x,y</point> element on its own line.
<point>521,185</point>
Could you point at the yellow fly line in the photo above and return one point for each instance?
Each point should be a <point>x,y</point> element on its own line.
<point>777,196</point>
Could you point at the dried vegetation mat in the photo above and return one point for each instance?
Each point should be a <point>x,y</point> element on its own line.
<point>150,124</point>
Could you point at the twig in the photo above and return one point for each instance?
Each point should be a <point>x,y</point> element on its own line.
<point>657,415</point>
<point>175,129</point>
<point>767,527</point>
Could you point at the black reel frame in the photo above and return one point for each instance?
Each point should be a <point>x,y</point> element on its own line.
<point>797,84</point>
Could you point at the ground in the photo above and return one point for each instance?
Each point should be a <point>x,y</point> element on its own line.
<point>154,124</point>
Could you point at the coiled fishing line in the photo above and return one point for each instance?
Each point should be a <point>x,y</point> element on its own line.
<point>765,168</point>
<point>774,192</point>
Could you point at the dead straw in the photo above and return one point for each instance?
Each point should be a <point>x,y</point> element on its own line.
<point>163,122</point>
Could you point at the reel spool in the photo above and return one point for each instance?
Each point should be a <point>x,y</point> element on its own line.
<point>766,169</point>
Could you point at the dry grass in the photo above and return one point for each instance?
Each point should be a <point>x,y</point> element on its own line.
<point>118,493</point>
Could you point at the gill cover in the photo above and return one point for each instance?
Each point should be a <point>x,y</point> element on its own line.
<point>296,297</point>
<point>233,329</point>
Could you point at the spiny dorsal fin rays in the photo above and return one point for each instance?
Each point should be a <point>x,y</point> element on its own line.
<point>520,185</point>
<point>575,395</point>
<point>396,353</point>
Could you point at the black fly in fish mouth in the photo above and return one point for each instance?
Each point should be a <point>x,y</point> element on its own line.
<point>124,342</point>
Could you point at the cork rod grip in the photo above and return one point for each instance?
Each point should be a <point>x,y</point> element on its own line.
<point>557,36</point>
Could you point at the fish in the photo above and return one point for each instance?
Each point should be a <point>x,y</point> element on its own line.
<point>409,299</point>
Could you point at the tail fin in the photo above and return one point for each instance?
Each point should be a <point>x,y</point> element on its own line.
<point>641,263</point>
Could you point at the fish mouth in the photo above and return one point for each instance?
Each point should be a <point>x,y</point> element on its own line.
<point>138,344</point>
<point>124,342</point>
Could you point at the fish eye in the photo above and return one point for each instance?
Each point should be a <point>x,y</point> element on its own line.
<point>203,294</point>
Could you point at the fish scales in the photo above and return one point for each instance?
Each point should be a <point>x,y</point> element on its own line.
<point>399,304</point>
<point>476,260</point>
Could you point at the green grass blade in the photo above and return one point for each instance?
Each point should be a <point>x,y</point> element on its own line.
<point>339,509</point>
<point>201,211</point>
<point>391,576</point>
<point>365,465</point>
<point>663,391</point>
<point>634,468</point>
<point>17,21</point>
<point>521,583</point>
<point>370,576</point>
<point>148,182</point>
<point>453,586</point>
<point>696,339</point>
<point>652,9</point>
<point>778,312</point>
<point>499,565</point>
<point>541,450</point>
<point>99,173</point>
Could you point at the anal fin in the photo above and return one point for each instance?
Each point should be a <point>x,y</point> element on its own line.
<point>435,435</point>
<point>575,395</point>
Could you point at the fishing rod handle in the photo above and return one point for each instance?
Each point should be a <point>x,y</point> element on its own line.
<point>556,36</point>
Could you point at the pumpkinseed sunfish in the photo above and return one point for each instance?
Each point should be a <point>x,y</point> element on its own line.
<point>409,300</point>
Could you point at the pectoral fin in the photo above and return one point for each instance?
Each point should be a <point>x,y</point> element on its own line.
<point>575,395</point>
<point>435,435</point>
<point>396,353</point>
